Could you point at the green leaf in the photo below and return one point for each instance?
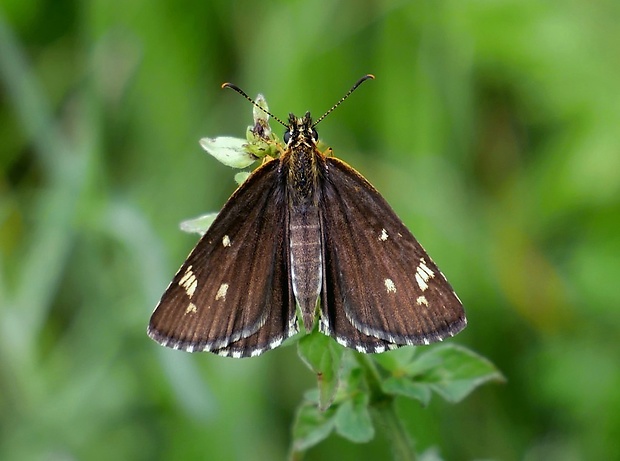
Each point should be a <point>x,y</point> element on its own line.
<point>311,426</point>
<point>323,356</point>
<point>229,151</point>
<point>405,386</point>
<point>241,177</point>
<point>353,420</point>
<point>396,360</point>
<point>198,225</point>
<point>352,376</point>
<point>454,372</point>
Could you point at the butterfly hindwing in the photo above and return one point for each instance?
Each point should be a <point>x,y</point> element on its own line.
<point>381,289</point>
<point>207,306</point>
<point>333,320</point>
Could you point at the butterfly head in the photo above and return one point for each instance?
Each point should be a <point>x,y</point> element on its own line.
<point>300,132</point>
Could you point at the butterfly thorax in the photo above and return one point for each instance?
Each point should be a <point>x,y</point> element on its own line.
<point>302,156</point>
<point>304,224</point>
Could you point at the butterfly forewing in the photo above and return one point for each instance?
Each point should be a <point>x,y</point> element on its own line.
<point>232,295</point>
<point>380,286</point>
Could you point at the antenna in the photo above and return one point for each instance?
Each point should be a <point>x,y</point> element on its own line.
<point>242,93</point>
<point>353,88</point>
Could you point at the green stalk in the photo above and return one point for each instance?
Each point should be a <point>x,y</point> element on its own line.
<point>384,411</point>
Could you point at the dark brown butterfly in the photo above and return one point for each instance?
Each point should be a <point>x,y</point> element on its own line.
<point>305,230</point>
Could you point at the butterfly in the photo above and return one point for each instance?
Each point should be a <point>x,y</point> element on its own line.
<point>307,234</point>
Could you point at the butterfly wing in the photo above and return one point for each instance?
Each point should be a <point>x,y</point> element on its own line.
<point>232,295</point>
<point>381,289</point>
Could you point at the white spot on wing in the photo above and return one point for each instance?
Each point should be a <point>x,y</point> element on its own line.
<point>221,293</point>
<point>421,300</point>
<point>389,286</point>
<point>226,241</point>
<point>324,326</point>
<point>189,282</point>
<point>191,309</point>
<point>384,235</point>
<point>423,274</point>
<point>275,343</point>
<point>390,338</point>
<point>423,268</point>
<point>421,283</point>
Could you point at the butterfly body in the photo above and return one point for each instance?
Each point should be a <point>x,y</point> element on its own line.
<point>304,162</point>
<point>306,231</point>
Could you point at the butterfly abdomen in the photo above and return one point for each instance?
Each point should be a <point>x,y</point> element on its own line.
<point>304,230</point>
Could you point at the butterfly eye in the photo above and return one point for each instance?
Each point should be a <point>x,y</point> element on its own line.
<point>315,135</point>
<point>287,136</point>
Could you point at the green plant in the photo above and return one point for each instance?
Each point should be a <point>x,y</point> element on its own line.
<point>357,392</point>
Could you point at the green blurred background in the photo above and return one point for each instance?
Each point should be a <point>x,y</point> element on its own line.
<point>492,128</point>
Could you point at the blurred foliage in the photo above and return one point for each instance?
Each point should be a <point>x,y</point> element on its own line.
<point>491,129</point>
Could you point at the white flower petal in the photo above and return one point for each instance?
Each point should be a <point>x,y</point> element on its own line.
<point>260,114</point>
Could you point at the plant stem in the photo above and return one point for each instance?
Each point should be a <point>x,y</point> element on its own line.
<point>385,414</point>
<point>384,410</point>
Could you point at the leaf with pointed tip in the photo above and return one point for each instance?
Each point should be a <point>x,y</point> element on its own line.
<point>353,420</point>
<point>311,426</point>
<point>454,372</point>
<point>405,386</point>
